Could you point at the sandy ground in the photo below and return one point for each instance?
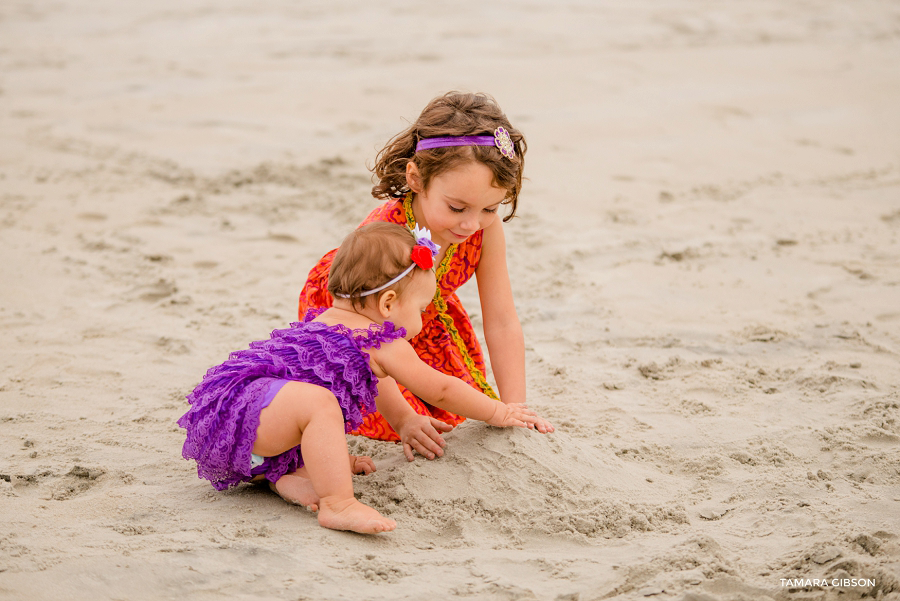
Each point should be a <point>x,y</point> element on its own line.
<point>707,268</point>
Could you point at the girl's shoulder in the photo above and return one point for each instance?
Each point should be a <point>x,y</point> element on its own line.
<point>390,211</point>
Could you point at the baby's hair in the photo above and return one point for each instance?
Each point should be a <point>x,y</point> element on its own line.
<point>453,114</point>
<point>370,256</point>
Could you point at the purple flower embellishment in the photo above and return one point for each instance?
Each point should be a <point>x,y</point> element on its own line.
<point>423,238</point>
<point>434,248</point>
<point>504,143</point>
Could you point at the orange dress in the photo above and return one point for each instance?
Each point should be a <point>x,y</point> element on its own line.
<point>447,341</point>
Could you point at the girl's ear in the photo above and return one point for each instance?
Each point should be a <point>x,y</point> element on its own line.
<point>413,178</point>
<point>386,303</point>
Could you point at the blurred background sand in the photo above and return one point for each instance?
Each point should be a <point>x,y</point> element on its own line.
<point>706,265</point>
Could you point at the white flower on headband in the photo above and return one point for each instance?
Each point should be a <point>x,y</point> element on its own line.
<point>423,238</point>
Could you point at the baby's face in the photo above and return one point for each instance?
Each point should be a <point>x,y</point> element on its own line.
<point>407,311</point>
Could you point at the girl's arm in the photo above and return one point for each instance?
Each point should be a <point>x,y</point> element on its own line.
<point>419,433</point>
<point>502,329</point>
<point>399,359</point>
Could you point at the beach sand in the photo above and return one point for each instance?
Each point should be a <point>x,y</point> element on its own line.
<point>706,264</point>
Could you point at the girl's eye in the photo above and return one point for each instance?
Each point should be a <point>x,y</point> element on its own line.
<point>494,210</point>
<point>455,209</point>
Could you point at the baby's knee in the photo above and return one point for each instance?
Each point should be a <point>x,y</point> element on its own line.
<point>327,407</point>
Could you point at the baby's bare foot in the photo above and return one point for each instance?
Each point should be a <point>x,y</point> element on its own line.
<point>296,489</point>
<point>350,514</point>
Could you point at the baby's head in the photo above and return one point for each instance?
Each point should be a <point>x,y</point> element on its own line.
<point>383,266</point>
<point>454,114</point>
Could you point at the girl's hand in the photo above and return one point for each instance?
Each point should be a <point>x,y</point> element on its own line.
<point>420,433</point>
<point>515,415</point>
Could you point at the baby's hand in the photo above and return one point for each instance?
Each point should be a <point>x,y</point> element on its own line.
<point>542,425</point>
<point>421,433</point>
<point>508,415</point>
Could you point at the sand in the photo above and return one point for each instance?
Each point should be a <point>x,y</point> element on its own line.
<point>706,265</point>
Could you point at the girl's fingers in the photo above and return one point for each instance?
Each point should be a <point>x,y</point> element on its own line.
<point>407,451</point>
<point>421,450</point>
<point>435,437</point>
<point>440,426</point>
<point>433,446</point>
<point>432,449</point>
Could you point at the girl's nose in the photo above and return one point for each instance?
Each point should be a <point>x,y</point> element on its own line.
<point>469,225</point>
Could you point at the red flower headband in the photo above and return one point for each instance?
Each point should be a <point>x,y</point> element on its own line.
<point>422,255</point>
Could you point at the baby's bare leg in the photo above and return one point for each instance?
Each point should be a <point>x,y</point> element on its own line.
<point>326,459</point>
<point>297,488</point>
<point>310,413</point>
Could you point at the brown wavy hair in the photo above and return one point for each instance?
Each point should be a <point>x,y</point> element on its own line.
<point>369,257</point>
<point>453,114</point>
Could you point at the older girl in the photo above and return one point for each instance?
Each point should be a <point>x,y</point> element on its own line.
<point>452,171</point>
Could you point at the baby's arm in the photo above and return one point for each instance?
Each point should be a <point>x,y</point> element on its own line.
<point>399,359</point>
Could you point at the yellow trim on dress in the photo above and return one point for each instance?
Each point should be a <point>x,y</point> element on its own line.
<point>441,305</point>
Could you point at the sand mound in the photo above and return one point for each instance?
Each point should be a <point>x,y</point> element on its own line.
<point>517,482</point>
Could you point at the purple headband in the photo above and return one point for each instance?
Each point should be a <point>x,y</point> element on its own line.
<point>500,139</point>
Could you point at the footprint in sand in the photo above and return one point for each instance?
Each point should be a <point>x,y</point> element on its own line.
<point>159,290</point>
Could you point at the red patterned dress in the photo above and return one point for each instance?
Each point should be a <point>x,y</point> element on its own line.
<point>447,341</point>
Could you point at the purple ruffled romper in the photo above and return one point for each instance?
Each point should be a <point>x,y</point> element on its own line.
<point>224,415</point>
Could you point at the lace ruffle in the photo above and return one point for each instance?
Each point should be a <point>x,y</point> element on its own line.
<point>372,337</point>
<point>224,416</point>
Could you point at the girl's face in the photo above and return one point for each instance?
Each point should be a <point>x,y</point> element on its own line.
<point>457,203</point>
